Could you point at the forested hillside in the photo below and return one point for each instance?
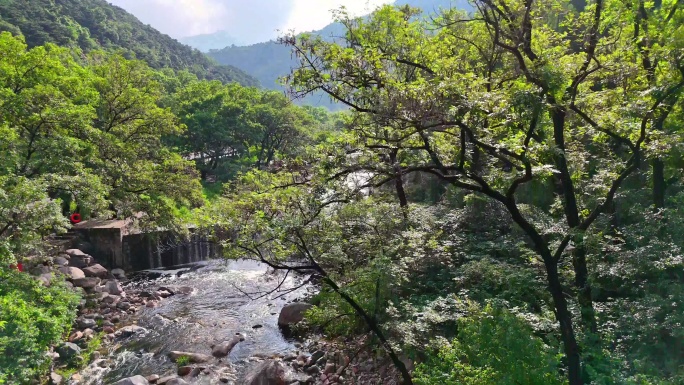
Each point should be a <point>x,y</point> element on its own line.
<point>96,24</point>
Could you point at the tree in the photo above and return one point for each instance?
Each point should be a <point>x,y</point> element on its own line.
<point>86,137</point>
<point>494,102</point>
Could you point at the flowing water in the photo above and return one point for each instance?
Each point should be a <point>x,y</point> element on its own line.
<point>227,298</point>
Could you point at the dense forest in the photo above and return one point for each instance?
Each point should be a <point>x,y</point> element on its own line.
<point>500,203</point>
<point>96,24</point>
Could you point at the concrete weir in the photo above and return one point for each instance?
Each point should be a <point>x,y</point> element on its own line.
<point>120,244</point>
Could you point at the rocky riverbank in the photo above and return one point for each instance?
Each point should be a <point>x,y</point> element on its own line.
<point>131,318</point>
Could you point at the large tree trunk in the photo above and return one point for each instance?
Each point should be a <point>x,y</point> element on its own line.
<point>564,318</point>
<point>579,260</point>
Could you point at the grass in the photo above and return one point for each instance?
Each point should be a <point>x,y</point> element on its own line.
<point>183,361</point>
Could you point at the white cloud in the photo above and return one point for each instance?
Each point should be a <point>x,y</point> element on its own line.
<point>250,21</point>
<point>310,15</point>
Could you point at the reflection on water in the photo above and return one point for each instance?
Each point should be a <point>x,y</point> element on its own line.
<point>216,310</point>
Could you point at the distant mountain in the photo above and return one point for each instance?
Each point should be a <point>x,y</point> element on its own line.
<point>96,24</point>
<point>207,42</point>
<point>269,61</point>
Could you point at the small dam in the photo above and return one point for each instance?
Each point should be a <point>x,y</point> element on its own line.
<point>121,244</point>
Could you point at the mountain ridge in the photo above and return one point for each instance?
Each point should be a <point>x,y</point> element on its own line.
<point>97,24</point>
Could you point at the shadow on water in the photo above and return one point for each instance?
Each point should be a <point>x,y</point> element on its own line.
<point>223,302</point>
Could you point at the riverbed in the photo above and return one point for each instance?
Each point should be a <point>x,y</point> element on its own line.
<point>227,297</point>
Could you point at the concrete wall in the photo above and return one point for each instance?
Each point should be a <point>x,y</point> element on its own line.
<point>115,248</point>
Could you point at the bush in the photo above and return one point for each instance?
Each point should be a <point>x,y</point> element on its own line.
<point>32,318</point>
<point>493,347</point>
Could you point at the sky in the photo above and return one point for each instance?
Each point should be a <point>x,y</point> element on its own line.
<point>249,21</point>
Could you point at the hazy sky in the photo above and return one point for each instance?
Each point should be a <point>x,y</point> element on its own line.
<point>249,21</point>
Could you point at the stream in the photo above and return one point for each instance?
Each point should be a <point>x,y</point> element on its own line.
<point>227,298</point>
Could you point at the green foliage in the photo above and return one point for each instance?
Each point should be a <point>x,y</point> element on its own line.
<point>32,319</point>
<point>182,361</point>
<point>96,24</point>
<point>85,136</point>
<point>231,129</point>
<point>493,347</point>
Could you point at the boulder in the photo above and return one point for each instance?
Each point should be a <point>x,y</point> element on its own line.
<point>196,358</point>
<point>292,313</point>
<point>269,372</point>
<point>152,379</point>
<point>176,381</point>
<point>86,323</point>
<point>119,273</point>
<point>86,282</point>
<point>72,272</point>
<point>95,270</point>
<point>224,348</point>
<point>75,252</point>
<point>135,380</point>
<point>79,259</point>
<point>113,287</point>
<point>61,261</point>
<point>68,350</point>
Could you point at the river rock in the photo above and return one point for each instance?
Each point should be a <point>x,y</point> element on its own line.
<point>61,261</point>
<point>176,381</point>
<point>165,380</point>
<point>292,313</point>
<point>87,282</point>
<point>68,350</point>
<point>75,336</point>
<point>152,379</point>
<point>55,379</point>
<point>45,279</point>
<point>183,290</point>
<point>196,358</point>
<point>85,323</point>
<point>75,252</point>
<point>130,330</point>
<point>72,272</point>
<point>40,270</point>
<point>95,270</point>
<point>135,380</point>
<point>79,259</point>
<point>119,273</point>
<point>113,287</point>
<point>224,348</point>
<point>269,372</point>
<point>184,370</point>
<point>123,305</point>
<point>110,299</point>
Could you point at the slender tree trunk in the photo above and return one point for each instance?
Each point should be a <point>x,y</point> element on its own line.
<point>658,167</point>
<point>375,328</point>
<point>564,318</point>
